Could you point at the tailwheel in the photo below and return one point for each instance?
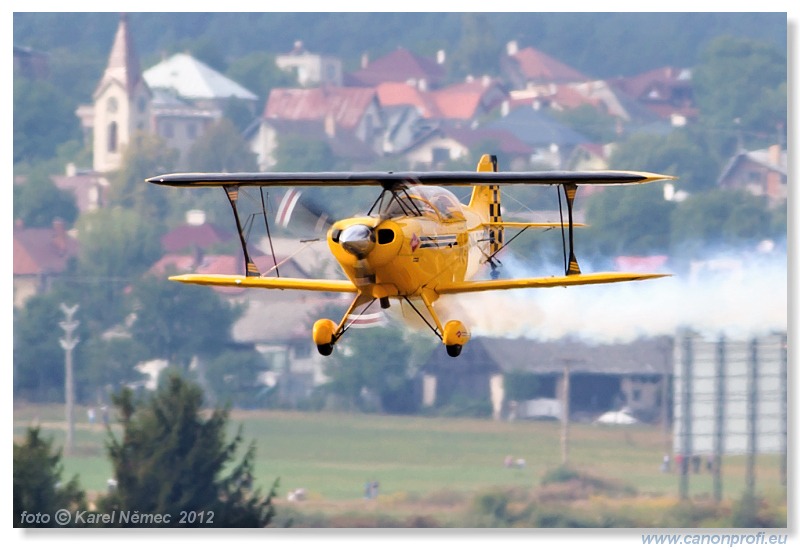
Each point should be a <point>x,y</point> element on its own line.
<point>323,333</point>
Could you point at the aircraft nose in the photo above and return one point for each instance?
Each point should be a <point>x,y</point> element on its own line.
<point>358,240</point>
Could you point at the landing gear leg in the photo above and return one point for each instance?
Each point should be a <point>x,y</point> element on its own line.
<point>326,333</point>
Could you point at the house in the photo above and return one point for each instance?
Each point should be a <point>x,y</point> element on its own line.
<point>666,91</point>
<point>193,80</point>
<point>444,144</point>
<point>177,99</point>
<point>602,377</point>
<point>41,255</point>
<point>529,68</point>
<point>552,141</point>
<point>349,119</point>
<point>399,65</point>
<point>311,69</point>
<point>196,234</point>
<point>763,173</point>
<point>89,188</point>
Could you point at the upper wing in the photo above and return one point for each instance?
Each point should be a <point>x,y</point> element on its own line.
<point>281,283</point>
<point>393,180</point>
<point>544,282</point>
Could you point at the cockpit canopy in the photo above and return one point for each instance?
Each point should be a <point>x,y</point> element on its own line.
<point>425,200</point>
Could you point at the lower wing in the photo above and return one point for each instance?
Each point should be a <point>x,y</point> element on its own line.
<point>544,282</point>
<point>280,283</point>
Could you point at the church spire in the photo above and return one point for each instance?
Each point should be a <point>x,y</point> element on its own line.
<point>123,63</point>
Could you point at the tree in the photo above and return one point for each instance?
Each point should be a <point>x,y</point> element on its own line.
<point>117,246</point>
<point>259,73</point>
<point>222,149</point>
<point>38,490</point>
<point>43,118</point>
<point>145,156</point>
<point>706,222</point>
<point>232,378</point>
<point>173,458</point>
<point>681,153</point>
<point>177,322</point>
<point>371,369</point>
<point>626,221</point>
<point>38,357</point>
<point>38,202</point>
<point>740,88</point>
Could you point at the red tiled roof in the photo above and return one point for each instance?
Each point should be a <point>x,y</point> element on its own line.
<point>346,105</point>
<point>186,236</point>
<point>400,65</point>
<point>42,250</point>
<point>400,93</point>
<point>459,101</point>
<point>538,66</point>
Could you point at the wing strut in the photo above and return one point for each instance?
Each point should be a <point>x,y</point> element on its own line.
<point>569,190</point>
<point>269,235</point>
<point>232,192</point>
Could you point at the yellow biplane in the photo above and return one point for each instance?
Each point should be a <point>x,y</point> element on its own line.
<point>418,241</point>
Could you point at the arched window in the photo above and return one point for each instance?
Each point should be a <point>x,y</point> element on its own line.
<point>112,137</point>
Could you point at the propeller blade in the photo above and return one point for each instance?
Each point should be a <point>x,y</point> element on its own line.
<point>298,214</point>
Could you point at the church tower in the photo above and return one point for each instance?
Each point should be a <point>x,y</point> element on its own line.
<point>121,102</point>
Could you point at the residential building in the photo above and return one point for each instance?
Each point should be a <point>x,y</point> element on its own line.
<point>41,255</point>
<point>311,69</point>
<point>763,173</point>
<point>529,68</point>
<point>602,377</point>
<point>400,65</point>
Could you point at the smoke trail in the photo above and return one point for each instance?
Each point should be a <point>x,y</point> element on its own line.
<point>735,295</point>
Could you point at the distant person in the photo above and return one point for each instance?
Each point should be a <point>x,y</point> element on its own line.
<point>665,464</point>
<point>91,414</point>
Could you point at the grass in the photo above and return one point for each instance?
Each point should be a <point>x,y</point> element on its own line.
<point>422,463</point>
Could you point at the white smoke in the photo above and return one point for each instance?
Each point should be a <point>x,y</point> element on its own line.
<point>738,295</point>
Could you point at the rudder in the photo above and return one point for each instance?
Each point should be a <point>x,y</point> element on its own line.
<point>486,200</point>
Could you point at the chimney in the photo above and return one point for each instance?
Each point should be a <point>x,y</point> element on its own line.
<point>364,60</point>
<point>512,48</point>
<point>441,56</point>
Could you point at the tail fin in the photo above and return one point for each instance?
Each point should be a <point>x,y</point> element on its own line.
<point>486,201</point>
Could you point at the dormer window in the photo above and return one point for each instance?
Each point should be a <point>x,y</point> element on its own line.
<point>112,105</point>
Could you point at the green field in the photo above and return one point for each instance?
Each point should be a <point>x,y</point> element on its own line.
<point>420,461</point>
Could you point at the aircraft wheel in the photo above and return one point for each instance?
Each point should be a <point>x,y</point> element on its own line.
<point>454,350</point>
<point>325,349</point>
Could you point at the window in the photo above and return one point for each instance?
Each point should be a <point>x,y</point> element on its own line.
<point>112,105</point>
<point>167,130</point>
<point>112,137</point>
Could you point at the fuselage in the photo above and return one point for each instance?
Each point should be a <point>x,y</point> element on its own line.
<point>424,239</point>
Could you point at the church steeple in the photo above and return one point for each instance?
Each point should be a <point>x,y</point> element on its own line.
<point>121,102</point>
<point>123,63</point>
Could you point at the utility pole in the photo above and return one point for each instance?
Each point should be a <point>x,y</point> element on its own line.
<point>68,343</point>
<point>565,416</point>
<point>752,417</point>
<point>719,418</point>
<point>687,363</point>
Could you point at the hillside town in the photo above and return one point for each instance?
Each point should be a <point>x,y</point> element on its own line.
<point>396,110</point>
